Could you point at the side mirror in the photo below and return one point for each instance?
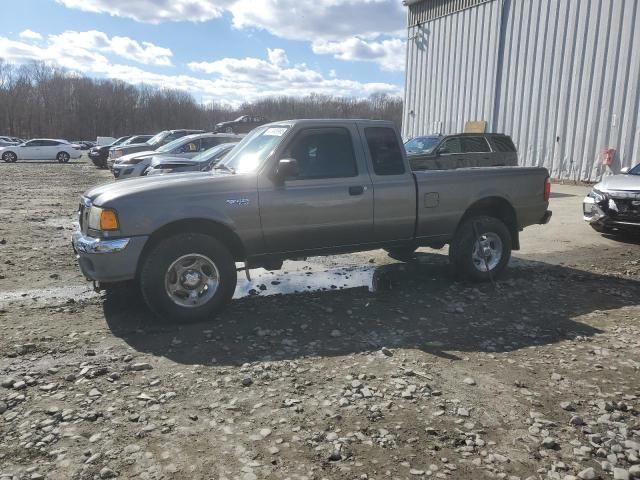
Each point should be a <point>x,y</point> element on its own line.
<point>287,168</point>
<point>625,170</point>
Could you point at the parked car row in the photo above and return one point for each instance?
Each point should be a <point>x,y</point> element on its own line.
<point>99,154</point>
<point>188,146</point>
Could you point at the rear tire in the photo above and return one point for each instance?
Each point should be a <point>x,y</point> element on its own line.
<point>9,157</point>
<point>481,248</point>
<point>188,277</point>
<point>62,157</point>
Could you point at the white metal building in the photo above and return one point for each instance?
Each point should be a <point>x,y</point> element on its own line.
<point>562,77</point>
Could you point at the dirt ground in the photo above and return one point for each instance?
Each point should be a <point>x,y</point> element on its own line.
<point>379,370</point>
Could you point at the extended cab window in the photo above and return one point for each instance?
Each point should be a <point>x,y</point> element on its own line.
<point>323,153</point>
<point>475,145</point>
<point>503,144</point>
<point>385,151</point>
<point>450,146</point>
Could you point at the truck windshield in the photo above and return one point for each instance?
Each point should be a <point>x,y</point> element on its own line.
<point>421,144</point>
<point>167,147</point>
<point>157,139</point>
<point>252,151</point>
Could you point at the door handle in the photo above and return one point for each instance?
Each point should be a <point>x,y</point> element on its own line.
<point>356,190</point>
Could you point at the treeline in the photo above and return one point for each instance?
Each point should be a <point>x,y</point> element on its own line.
<point>38,100</point>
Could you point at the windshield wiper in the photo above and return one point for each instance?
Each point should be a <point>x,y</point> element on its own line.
<point>222,166</point>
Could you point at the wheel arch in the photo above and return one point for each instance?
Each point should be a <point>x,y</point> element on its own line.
<point>196,225</point>
<point>497,207</point>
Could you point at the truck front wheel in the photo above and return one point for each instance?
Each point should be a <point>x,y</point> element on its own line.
<point>188,277</point>
<point>481,248</point>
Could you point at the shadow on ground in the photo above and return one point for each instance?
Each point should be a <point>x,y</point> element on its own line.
<point>415,305</point>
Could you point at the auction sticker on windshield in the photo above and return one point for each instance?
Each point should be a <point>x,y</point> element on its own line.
<point>275,131</point>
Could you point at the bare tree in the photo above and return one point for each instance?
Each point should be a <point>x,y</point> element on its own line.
<point>38,100</point>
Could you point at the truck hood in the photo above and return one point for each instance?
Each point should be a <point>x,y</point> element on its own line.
<point>143,154</point>
<point>162,186</point>
<point>159,161</point>
<point>620,183</point>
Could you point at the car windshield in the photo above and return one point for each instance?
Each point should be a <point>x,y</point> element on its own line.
<point>158,138</point>
<point>635,170</point>
<point>239,119</point>
<point>173,144</point>
<point>422,144</point>
<point>213,152</point>
<point>119,141</point>
<point>253,150</point>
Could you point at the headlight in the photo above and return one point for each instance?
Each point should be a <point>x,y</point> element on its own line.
<point>103,219</point>
<point>597,195</point>
<point>118,153</point>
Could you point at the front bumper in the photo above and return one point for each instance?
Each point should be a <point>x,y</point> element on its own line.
<point>606,214</point>
<point>107,260</point>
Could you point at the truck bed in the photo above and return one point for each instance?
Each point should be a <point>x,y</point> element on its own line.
<point>445,195</point>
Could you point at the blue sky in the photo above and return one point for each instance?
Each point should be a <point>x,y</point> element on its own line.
<point>218,50</point>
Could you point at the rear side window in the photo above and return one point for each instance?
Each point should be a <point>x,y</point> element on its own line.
<point>49,143</point>
<point>323,153</point>
<point>385,151</point>
<point>451,146</point>
<point>503,144</point>
<point>475,145</point>
<point>209,142</point>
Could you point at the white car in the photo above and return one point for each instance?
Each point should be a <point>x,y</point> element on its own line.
<point>41,149</point>
<point>136,164</point>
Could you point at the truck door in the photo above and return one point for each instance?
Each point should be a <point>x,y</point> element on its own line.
<point>329,202</point>
<point>394,189</point>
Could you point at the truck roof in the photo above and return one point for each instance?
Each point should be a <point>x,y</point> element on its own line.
<point>333,121</point>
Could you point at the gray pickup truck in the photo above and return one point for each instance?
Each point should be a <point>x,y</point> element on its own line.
<point>295,189</point>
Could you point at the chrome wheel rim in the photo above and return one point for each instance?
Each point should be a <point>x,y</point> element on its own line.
<point>487,252</point>
<point>192,280</point>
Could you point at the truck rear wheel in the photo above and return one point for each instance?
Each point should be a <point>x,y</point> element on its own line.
<point>188,277</point>
<point>481,248</point>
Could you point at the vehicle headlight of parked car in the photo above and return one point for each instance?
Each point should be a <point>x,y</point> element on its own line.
<point>597,195</point>
<point>103,219</point>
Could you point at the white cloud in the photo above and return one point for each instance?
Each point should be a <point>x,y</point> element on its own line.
<point>75,49</point>
<point>320,19</point>
<point>146,53</point>
<point>30,35</point>
<point>278,57</point>
<point>153,11</point>
<point>230,80</point>
<point>351,30</point>
<point>390,53</point>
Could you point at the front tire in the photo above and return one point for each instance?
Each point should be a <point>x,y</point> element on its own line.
<point>481,248</point>
<point>188,277</point>
<point>62,157</point>
<point>9,157</point>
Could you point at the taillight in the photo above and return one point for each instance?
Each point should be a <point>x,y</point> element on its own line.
<point>547,189</point>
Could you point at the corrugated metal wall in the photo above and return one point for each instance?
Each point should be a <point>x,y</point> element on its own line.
<point>562,77</point>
